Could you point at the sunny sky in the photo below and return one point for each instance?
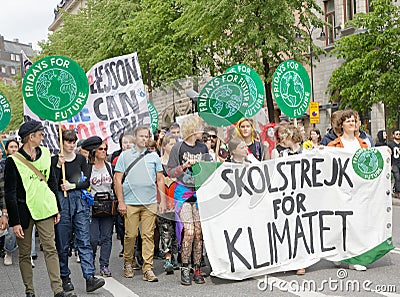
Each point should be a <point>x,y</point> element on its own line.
<point>27,20</point>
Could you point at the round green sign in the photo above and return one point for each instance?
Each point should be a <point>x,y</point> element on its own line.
<point>368,163</point>
<point>55,88</point>
<point>256,85</point>
<point>5,112</point>
<point>291,88</point>
<point>153,116</point>
<point>224,99</point>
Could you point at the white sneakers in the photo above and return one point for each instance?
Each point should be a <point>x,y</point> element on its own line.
<point>32,263</point>
<point>8,259</point>
<point>357,267</point>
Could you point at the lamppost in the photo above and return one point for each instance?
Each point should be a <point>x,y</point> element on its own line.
<point>322,37</point>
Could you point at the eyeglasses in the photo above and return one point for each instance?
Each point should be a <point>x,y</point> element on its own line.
<point>213,136</point>
<point>102,149</point>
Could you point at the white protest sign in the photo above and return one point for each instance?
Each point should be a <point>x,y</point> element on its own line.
<point>288,213</point>
<point>117,103</point>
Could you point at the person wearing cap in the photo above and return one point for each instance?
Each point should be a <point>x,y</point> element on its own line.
<point>30,187</point>
<point>75,213</point>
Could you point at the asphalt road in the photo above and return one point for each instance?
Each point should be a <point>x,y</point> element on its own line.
<point>381,279</point>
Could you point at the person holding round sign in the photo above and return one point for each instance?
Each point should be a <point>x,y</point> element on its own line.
<point>75,214</point>
<point>30,186</point>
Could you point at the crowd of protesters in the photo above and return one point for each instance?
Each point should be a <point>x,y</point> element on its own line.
<point>149,185</point>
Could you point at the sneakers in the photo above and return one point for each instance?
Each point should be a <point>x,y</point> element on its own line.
<point>93,283</point>
<point>104,271</point>
<point>32,263</point>
<point>150,276</point>
<point>168,267</point>
<point>357,267</point>
<point>63,294</point>
<point>8,259</point>
<point>128,270</point>
<point>198,277</point>
<point>67,284</point>
<point>185,276</point>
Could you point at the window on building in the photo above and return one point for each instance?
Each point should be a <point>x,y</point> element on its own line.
<point>17,58</point>
<point>12,57</point>
<point>350,9</point>
<point>330,18</point>
<point>12,71</point>
<point>3,69</point>
<point>370,8</point>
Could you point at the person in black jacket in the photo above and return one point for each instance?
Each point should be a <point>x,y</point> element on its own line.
<point>30,202</point>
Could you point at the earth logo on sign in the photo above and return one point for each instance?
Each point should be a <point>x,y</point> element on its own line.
<point>291,87</point>
<point>55,88</point>
<point>51,83</point>
<point>224,99</point>
<point>368,163</point>
<point>227,100</point>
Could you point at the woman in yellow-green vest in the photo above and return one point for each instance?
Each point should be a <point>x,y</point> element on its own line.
<point>30,187</point>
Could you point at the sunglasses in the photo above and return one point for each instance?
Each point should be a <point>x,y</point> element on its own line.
<point>213,136</point>
<point>102,149</point>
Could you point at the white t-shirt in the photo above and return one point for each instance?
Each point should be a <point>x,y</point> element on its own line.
<point>100,180</point>
<point>350,145</point>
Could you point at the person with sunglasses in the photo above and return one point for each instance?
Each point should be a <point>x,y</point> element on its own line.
<point>394,145</point>
<point>101,225</point>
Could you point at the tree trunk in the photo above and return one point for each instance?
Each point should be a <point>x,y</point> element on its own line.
<point>268,93</point>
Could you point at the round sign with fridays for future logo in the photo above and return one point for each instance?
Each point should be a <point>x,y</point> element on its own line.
<point>224,99</point>
<point>291,88</point>
<point>5,112</point>
<point>153,116</point>
<point>256,85</point>
<point>55,88</point>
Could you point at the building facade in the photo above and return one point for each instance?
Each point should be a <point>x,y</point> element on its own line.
<point>10,58</point>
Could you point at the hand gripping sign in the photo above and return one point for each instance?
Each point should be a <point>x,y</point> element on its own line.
<point>55,88</point>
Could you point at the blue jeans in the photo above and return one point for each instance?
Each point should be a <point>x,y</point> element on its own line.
<point>396,175</point>
<point>101,230</point>
<point>75,216</point>
<point>10,241</point>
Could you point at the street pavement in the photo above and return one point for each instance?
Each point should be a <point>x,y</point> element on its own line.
<point>381,277</point>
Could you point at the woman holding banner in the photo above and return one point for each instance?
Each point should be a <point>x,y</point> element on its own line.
<point>348,140</point>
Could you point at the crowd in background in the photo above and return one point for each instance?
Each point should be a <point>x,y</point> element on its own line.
<point>157,213</point>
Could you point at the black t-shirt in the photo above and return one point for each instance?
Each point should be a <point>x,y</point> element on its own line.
<point>395,147</point>
<point>73,171</point>
<point>182,152</point>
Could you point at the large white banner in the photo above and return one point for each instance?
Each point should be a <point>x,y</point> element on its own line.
<point>117,103</point>
<point>288,213</point>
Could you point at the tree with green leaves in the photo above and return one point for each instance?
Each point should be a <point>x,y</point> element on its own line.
<point>370,72</point>
<point>253,32</point>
